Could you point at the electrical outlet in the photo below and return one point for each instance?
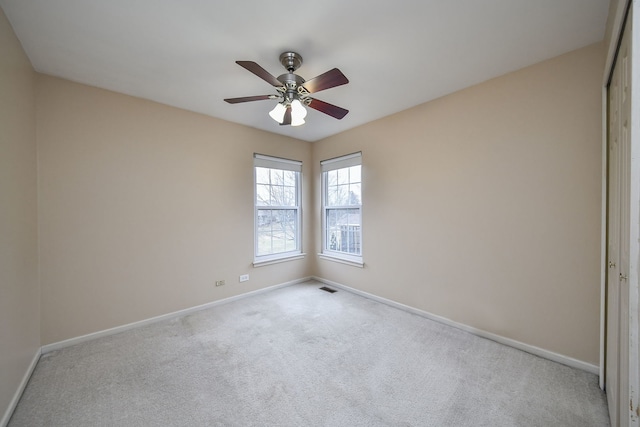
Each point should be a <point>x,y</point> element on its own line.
<point>244,278</point>
<point>219,282</point>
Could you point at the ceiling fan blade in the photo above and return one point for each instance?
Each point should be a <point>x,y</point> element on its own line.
<point>331,78</point>
<point>330,109</point>
<point>287,117</point>
<point>250,98</point>
<point>260,72</point>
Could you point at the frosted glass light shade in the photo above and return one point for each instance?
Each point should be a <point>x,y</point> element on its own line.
<point>297,110</point>
<point>298,113</point>
<point>277,113</point>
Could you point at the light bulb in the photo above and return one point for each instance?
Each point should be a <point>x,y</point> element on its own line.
<point>277,113</point>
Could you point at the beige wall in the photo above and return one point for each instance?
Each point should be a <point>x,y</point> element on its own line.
<point>143,207</point>
<point>19,294</point>
<point>484,206</point>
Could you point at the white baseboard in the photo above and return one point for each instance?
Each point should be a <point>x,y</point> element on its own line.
<point>565,360</point>
<point>546,354</point>
<point>72,341</point>
<point>18,394</point>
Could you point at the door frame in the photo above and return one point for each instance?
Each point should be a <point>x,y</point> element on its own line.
<point>634,252</point>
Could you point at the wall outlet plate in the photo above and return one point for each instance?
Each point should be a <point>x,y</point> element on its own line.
<point>244,278</point>
<point>219,282</point>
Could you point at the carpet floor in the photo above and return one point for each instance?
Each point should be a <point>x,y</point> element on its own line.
<point>300,356</point>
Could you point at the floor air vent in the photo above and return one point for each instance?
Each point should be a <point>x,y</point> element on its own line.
<point>324,288</point>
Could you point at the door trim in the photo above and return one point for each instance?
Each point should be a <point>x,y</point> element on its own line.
<point>634,250</point>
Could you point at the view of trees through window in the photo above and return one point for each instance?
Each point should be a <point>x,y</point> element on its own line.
<point>343,201</point>
<point>276,211</point>
<point>277,207</point>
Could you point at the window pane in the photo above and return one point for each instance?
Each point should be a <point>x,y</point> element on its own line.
<point>263,198</point>
<point>354,174</point>
<point>343,176</point>
<point>342,195</point>
<point>277,177</point>
<point>343,187</point>
<point>289,178</point>
<point>277,196</point>
<point>289,196</point>
<point>264,243</point>
<point>332,230</point>
<point>264,219</point>
<point>350,231</point>
<point>343,230</point>
<point>277,231</point>
<point>332,178</point>
<point>354,194</point>
<point>352,217</point>
<point>332,195</point>
<point>290,227</point>
<point>262,175</point>
<point>284,231</point>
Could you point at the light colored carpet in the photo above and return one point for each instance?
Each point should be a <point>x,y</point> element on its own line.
<point>299,356</point>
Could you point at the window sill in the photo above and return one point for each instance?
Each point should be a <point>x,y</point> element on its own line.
<point>278,260</point>
<point>350,262</point>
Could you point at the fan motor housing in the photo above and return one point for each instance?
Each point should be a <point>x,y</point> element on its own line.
<point>291,61</point>
<point>290,79</point>
<point>290,84</point>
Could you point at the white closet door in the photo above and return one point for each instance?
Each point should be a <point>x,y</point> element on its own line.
<point>618,231</point>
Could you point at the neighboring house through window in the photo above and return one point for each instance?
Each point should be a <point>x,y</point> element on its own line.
<point>277,208</point>
<point>342,209</point>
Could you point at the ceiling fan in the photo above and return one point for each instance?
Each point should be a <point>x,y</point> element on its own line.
<point>293,91</point>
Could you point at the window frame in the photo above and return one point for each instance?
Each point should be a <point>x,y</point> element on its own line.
<point>342,162</point>
<point>277,163</point>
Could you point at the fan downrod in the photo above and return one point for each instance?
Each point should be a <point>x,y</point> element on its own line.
<point>291,61</point>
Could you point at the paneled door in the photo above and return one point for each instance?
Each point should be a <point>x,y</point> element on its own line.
<point>618,231</point>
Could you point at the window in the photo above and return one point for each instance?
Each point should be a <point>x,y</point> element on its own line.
<point>342,208</point>
<point>277,208</point>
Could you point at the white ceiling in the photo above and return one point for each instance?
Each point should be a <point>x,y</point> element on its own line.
<point>396,54</point>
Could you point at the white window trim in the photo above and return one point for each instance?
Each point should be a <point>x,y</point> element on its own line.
<point>327,254</point>
<point>342,259</point>
<point>261,160</point>
<point>349,160</point>
<point>281,258</point>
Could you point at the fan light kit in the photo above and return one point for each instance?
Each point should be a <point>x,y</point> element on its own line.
<point>293,91</point>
